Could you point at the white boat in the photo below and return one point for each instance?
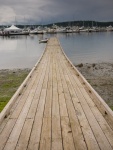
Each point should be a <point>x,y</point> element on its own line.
<point>60,30</point>
<point>68,30</point>
<point>84,30</point>
<point>43,40</point>
<point>40,32</point>
<point>75,29</point>
<point>109,28</point>
<point>34,31</point>
<point>93,29</point>
<point>81,28</point>
<point>51,31</point>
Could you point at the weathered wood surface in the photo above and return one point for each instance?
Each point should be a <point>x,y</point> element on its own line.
<point>55,110</point>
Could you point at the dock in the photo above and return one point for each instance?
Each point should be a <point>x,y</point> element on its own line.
<point>55,108</point>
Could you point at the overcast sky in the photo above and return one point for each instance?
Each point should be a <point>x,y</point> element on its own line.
<point>49,11</point>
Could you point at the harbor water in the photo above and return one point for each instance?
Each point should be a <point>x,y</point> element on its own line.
<point>24,51</point>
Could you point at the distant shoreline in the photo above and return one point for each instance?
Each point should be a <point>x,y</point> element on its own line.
<point>67,23</point>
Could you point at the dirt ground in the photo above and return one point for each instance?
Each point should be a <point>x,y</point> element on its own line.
<point>100,76</point>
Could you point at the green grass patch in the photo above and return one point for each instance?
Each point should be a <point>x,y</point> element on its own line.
<point>111,107</point>
<point>3,102</point>
<point>10,80</point>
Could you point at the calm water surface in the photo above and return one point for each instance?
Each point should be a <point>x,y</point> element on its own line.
<point>19,51</point>
<point>88,47</point>
<point>24,51</point>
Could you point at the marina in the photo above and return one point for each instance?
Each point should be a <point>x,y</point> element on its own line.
<point>56,108</point>
<point>54,29</point>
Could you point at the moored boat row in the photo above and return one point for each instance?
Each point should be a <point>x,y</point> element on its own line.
<point>13,30</point>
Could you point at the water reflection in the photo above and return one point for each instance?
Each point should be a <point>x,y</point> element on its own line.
<point>19,51</point>
<point>9,47</point>
<point>24,51</point>
<point>88,47</point>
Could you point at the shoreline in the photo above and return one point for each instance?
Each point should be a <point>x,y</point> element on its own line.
<point>100,77</point>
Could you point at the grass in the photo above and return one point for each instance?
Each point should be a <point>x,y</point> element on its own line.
<point>3,102</point>
<point>10,80</point>
<point>111,107</point>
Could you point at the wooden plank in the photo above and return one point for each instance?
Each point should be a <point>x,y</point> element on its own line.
<point>78,137</point>
<point>5,121</point>
<point>100,136</point>
<point>45,140</point>
<point>68,143</point>
<point>55,104</point>
<point>48,104</point>
<point>100,103</point>
<point>88,134</point>
<point>56,126</point>
<point>36,132</point>
<point>86,129</point>
<point>25,135</point>
<point>62,101</point>
<point>101,120</point>
<point>24,96</point>
<point>13,138</point>
<point>6,132</point>
<point>56,134</point>
<point>33,108</point>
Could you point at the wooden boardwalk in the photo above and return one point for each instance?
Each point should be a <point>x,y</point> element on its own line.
<point>56,109</point>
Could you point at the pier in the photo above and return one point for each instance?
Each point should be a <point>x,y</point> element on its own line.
<point>55,108</point>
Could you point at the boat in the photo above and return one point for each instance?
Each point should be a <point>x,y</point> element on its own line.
<point>68,30</point>
<point>51,31</point>
<point>84,30</point>
<point>43,40</point>
<point>40,32</point>
<point>34,31</point>
<point>60,30</point>
<point>75,29</point>
<point>109,28</point>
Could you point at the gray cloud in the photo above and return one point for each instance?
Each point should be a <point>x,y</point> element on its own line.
<point>47,11</point>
